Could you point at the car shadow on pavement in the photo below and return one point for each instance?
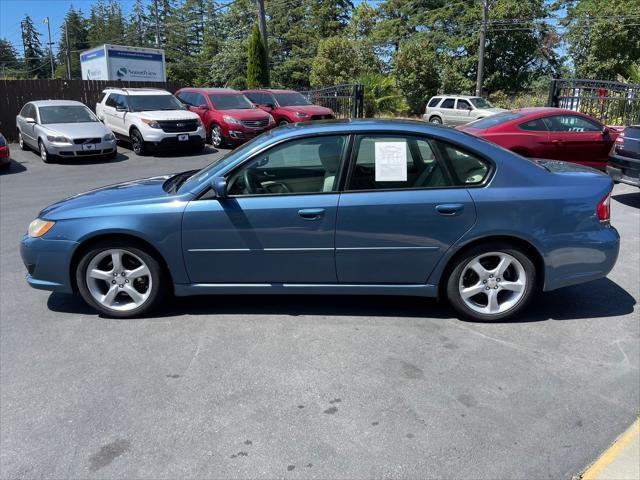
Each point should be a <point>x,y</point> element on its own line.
<point>177,153</point>
<point>601,298</point>
<point>14,167</point>
<point>629,199</point>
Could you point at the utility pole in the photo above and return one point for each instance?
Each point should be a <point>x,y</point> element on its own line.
<point>155,14</point>
<point>481,46</point>
<point>262,25</point>
<point>66,36</point>
<point>46,20</point>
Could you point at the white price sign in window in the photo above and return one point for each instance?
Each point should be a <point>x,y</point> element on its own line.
<point>391,161</point>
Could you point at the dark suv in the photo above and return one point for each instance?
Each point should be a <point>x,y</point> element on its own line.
<point>287,106</point>
<point>624,159</point>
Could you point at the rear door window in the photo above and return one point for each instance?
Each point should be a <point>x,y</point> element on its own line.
<point>537,125</point>
<point>571,124</point>
<point>434,101</point>
<point>448,103</point>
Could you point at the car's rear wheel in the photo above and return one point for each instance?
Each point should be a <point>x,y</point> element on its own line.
<point>282,123</point>
<point>44,153</point>
<point>491,282</point>
<point>215,136</point>
<point>137,143</point>
<point>120,280</point>
<point>435,119</point>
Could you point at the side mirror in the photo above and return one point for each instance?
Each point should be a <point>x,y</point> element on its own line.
<point>203,107</point>
<point>30,120</point>
<point>605,131</point>
<point>219,185</point>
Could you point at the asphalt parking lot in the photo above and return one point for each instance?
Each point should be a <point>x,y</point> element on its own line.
<point>304,387</point>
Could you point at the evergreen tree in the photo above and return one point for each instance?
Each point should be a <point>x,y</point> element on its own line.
<point>36,63</point>
<point>328,18</point>
<point>9,63</point>
<point>78,40</point>
<point>257,66</point>
<point>106,23</point>
<point>416,73</point>
<point>140,29</point>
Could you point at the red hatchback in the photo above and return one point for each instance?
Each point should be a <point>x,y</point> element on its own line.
<point>229,117</point>
<point>545,132</point>
<point>288,106</point>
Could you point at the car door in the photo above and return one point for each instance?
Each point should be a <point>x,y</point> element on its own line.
<point>579,140</point>
<point>277,224</point>
<point>403,206</point>
<point>114,111</point>
<point>462,112</point>
<point>448,111</point>
<point>28,128</point>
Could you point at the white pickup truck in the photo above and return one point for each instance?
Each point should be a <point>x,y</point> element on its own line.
<point>150,118</point>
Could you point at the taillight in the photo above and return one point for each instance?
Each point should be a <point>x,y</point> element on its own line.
<point>603,209</point>
<point>620,139</point>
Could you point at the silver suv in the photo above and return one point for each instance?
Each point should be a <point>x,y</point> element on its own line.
<point>458,109</point>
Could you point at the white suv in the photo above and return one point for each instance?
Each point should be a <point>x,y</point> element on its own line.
<point>458,109</point>
<point>149,117</point>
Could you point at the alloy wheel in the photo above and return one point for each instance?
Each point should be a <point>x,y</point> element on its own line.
<point>118,280</point>
<point>136,143</point>
<point>492,283</point>
<point>44,155</point>
<point>20,141</point>
<point>216,136</point>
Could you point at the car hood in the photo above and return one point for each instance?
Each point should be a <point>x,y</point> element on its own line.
<point>246,114</point>
<point>77,130</point>
<point>310,109</point>
<point>111,196</point>
<point>167,115</point>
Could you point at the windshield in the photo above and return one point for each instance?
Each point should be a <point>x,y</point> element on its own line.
<point>291,99</point>
<point>66,114</point>
<point>143,103</point>
<point>480,102</point>
<point>494,120</point>
<point>230,101</point>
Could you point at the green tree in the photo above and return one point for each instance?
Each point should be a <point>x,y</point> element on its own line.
<point>106,23</point>
<point>9,63</point>
<point>78,41</point>
<point>381,95</point>
<point>35,62</point>
<point>602,38</point>
<point>139,29</point>
<point>328,18</point>
<point>363,22</point>
<point>341,60</point>
<point>257,66</point>
<point>416,72</point>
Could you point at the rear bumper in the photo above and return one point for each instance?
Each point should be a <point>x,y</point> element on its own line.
<point>592,258</point>
<point>47,263</point>
<point>624,170</point>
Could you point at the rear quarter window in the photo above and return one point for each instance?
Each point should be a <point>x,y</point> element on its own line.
<point>434,101</point>
<point>495,120</point>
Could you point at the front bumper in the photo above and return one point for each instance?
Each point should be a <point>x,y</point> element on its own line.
<point>156,136</point>
<point>48,263</point>
<point>624,170</point>
<point>73,150</point>
<point>239,134</point>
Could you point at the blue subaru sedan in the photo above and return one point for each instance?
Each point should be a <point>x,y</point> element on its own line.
<point>341,207</point>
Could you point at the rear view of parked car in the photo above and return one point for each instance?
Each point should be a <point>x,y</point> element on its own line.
<point>624,159</point>
<point>288,106</point>
<point>63,129</point>
<point>5,155</point>
<point>228,116</point>
<point>458,109</point>
<point>150,118</point>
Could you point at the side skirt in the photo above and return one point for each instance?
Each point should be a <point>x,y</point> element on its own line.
<point>418,290</point>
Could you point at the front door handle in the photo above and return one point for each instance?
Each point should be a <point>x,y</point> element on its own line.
<point>311,213</point>
<point>450,209</point>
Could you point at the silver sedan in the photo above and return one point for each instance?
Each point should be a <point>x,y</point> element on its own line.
<point>63,129</point>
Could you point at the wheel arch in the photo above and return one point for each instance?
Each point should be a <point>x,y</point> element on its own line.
<point>435,115</point>
<point>518,242</point>
<point>89,242</point>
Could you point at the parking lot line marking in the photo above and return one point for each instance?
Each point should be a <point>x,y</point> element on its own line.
<point>612,452</point>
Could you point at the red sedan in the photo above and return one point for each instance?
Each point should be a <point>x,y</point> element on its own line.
<point>546,132</point>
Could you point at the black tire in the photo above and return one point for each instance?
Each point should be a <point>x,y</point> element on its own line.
<point>216,137</point>
<point>21,143</point>
<point>458,268</point>
<point>158,279</point>
<point>435,119</point>
<point>44,154</point>
<point>282,123</point>
<point>138,145</point>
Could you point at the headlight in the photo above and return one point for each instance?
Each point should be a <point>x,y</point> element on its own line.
<point>151,123</point>
<point>58,139</point>
<point>302,114</point>
<point>109,137</point>
<point>271,120</point>
<point>39,227</point>
<point>229,119</point>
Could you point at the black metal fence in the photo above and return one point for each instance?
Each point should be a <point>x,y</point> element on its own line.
<point>346,101</point>
<point>613,103</point>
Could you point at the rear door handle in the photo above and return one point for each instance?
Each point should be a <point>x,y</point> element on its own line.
<point>450,209</point>
<point>311,213</point>
<point>557,141</point>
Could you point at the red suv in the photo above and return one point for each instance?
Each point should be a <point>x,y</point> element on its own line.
<point>287,106</point>
<point>228,116</point>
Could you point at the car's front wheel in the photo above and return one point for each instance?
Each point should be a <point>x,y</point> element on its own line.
<point>120,280</point>
<point>216,137</point>
<point>137,143</point>
<point>491,282</point>
<point>282,123</point>
<point>44,153</point>
<point>23,146</point>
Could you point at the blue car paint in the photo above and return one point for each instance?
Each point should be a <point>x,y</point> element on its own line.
<point>382,242</point>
